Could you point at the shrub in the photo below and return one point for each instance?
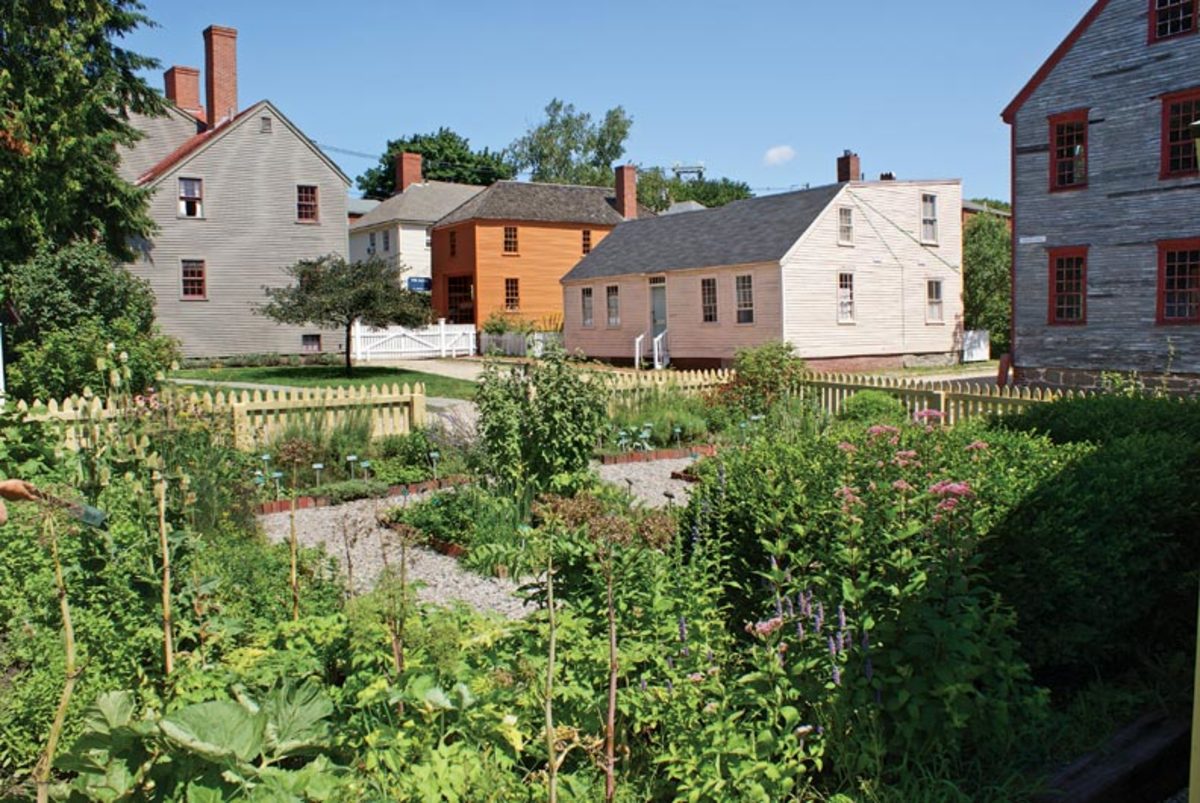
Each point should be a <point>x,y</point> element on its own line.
<point>350,490</point>
<point>501,323</point>
<point>1103,419</point>
<point>659,414</point>
<point>764,375</point>
<point>873,407</point>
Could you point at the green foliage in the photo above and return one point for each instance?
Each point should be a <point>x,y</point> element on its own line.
<point>987,279</point>
<point>331,292</point>
<point>1107,419</point>
<point>873,407</point>
<point>501,323</point>
<point>326,444</point>
<point>567,147</point>
<point>539,424</point>
<point>349,490</point>
<point>66,91</point>
<point>657,191</point>
<point>764,376</point>
<point>446,156</point>
<point>492,529</point>
<point>659,420</point>
<point>73,304</point>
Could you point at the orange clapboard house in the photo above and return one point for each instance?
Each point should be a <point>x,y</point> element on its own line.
<point>505,250</point>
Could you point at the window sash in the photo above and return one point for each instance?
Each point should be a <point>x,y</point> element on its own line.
<point>1179,283</point>
<point>845,298</point>
<point>744,293</point>
<point>586,241</point>
<point>191,197</point>
<point>1069,151</point>
<point>929,219</point>
<point>1179,150</point>
<point>846,226</point>
<point>387,241</point>
<point>510,239</point>
<point>708,300</point>
<point>1068,286</point>
<point>512,295</point>
<point>193,278</point>
<point>612,298</point>
<point>1170,18</point>
<point>307,207</point>
<point>934,306</point>
<point>310,343</point>
<point>587,312</point>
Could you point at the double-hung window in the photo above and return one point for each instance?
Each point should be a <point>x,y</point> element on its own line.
<point>387,241</point>
<point>307,209</point>
<point>587,242</point>
<point>845,226</point>
<point>194,286</point>
<point>708,300</point>
<point>934,307</point>
<point>512,295</point>
<point>612,297</point>
<point>929,219</point>
<point>510,239</point>
<point>371,243</point>
<point>1180,113</point>
<point>586,311</point>
<point>845,298</point>
<point>1171,18</point>
<point>1068,150</point>
<point>744,295</point>
<point>310,343</point>
<point>1068,286</point>
<point>1179,281</point>
<point>191,197</point>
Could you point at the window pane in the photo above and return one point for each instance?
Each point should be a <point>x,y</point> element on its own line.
<point>587,241</point>
<point>933,297</point>
<point>1181,151</point>
<point>1181,285</point>
<point>845,297</point>
<point>845,225</point>
<point>1173,17</point>
<point>512,295</point>
<point>708,300</point>
<point>744,286</point>
<point>929,223</point>
<point>306,202</point>
<point>1068,288</point>
<point>510,239</point>
<point>614,304</point>
<point>1070,153</point>
<point>586,297</point>
<point>193,278</point>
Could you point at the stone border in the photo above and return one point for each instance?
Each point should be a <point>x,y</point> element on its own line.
<point>305,502</point>
<point>703,450</point>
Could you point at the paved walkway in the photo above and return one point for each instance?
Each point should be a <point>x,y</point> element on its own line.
<point>468,369</point>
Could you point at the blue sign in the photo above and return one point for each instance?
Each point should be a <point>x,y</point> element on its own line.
<point>420,284</point>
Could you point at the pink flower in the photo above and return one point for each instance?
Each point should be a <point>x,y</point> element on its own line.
<point>847,447</point>
<point>696,677</point>
<point>765,628</point>
<point>976,446</point>
<point>949,488</point>
<point>928,414</point>
<point>905,458</point>
<point>902,486</point>
<point>948,504</point>
<point>882,429</point>
<point>849,497</point>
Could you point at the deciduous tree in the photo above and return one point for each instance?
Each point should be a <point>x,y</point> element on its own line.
<point>987,282</point>
<point>657,190</point>
<point>447,156</point>
<point>331,292</point>
<point>569,148</point>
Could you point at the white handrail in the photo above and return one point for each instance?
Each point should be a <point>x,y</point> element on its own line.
<point>637,350</point>
<point>661,356</point>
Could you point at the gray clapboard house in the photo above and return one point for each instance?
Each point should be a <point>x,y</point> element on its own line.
<point>1106,197</point>
<point>238,196</point>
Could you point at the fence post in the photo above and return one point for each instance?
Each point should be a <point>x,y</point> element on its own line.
<point>358,350</point>
<point>442,336</point>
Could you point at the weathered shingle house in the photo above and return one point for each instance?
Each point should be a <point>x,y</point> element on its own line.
<point>1106,196</point>
<point>506,249</point>
<point>856,275</point>
<point>401,228</point>
<point>238,196</point>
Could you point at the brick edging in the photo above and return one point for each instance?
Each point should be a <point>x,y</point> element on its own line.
<point>703,450</point>
<point>306,502</point>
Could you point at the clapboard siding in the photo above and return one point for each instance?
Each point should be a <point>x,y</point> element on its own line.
<point>160,136</point>
<point>248,235</point>
<point>1125,209</point>
<point>890,269</point>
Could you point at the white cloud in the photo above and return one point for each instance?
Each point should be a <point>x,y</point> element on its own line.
<point>780,154</point>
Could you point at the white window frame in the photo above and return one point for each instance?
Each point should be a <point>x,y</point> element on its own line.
<point>845,226</point>
<point>612,305</point>
<point>428,237</point>
<point>587,307</point>
<point>370,243</point>
<point>199,199</point>
<point>710,281</point>
<point>743,303</point>
<point>932,222</point>
<point>935,308</point>
<point>846,313</point>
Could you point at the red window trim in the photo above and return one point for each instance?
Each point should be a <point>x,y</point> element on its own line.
<point>1052,307</point>
<point>183,295</point>
<point>316,202</point>
<point>1191,244</point>
<point>1164,133</point>
<point>1153,36</point>
<point>1073,116</point>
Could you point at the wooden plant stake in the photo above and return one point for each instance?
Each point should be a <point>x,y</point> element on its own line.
<point>41,773</point>
<point>160,495</point>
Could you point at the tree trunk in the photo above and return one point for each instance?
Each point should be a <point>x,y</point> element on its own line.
<point>349,336</point>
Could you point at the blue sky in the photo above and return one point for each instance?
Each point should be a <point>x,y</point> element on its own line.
<point>914,87</point>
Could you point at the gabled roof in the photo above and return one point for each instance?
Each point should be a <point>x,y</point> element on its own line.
<point>194,145</point>
<point>426,203</point>
<point>546,203</point>
<point>1010,111</point>
<point>754,230</point>
<point>360,206</point>
<point>971,206</point>
<point>683,206</point>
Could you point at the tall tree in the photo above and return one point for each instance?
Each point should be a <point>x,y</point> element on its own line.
<point>66,91</point>
<point>657,190</point>
<point>447,157</point>
<point>331,292</point>
<point>569,148</point>
<point>987,282</point>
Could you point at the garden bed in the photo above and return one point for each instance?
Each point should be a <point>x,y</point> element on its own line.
<point>307,502</point>
<point>702,450</point>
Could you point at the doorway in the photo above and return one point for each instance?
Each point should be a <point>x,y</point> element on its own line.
<point>658,306</point>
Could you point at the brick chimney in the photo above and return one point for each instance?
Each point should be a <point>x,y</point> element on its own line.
<point>849,168</point>
<point>408,170</point>
<point>627,205</point>
<point>182,85</point>
<point>220,73</point>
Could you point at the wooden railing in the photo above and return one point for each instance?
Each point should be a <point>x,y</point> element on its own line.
<point>256,417</point>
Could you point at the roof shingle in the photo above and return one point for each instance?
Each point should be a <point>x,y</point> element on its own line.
<point>426,203</point>
<point>548,203</point>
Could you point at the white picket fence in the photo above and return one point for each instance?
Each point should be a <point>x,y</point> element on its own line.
<point>400,343</point>
<point>517,344</point>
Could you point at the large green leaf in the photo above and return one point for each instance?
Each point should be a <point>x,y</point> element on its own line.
<point>220,730</point>
<point>296,719</point>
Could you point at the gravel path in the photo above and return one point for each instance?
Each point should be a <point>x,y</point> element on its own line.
<point>445,581</point>
<point>650,481</point>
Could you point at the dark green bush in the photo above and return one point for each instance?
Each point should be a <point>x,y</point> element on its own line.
<point>350,490</point>
<point>1102,419</point>
<point>873,407</point>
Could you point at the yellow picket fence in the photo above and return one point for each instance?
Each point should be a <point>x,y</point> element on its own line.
<point>255,416</point>
<point>634,382</point>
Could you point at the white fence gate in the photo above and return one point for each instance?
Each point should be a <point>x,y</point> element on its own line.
<point>399,343</point>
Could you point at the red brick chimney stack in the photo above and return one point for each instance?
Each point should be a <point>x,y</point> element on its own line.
<point>627,191</point>
<point>849,168</point>
<point>182,85</point>
<point>408,170</point>
<point>220,73</point>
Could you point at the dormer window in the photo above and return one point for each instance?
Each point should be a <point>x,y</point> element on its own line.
<point>191,197</point>
<point>1171,18</point>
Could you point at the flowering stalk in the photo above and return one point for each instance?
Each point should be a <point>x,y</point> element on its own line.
<point>552,768</point>
<point>610,730</point>
<point>41,773</point>
<point>160,494</point>
<point>293,546</point>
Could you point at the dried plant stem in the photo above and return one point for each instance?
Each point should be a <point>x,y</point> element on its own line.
<point>552,769</point>
<point>41,773</point>
<point>610,774</point>
<point>294,547</point>
<point>160,494</point>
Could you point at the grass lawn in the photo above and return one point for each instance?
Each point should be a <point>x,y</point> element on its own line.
<point>334,376</point>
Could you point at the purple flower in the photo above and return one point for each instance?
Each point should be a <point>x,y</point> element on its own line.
<point>791,611</point>
<point>682,628</point>
<point>902,486</point>
<point>710,656</point>
<point>842,641</point>
<point>670,687</point>
<point>833,650</point>
<point>643,684</point>
<point>868,668</point>
<point>837,675</point>
<point>820,621</point>
<point>841,617</point>
<point>778,607</point>
<point>949,488</point>
<point>670,662</point>
<point>800,629</point>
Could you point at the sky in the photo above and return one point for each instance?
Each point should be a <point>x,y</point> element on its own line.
<point>768,92</point>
